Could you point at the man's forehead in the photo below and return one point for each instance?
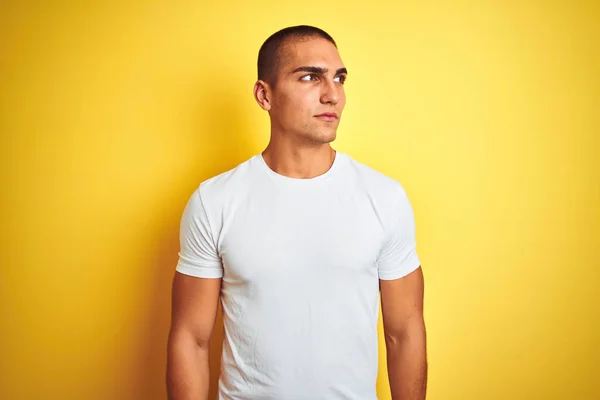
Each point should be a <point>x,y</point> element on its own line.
<point>316,52</point>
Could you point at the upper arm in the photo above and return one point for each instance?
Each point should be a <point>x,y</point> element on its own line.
<point>194,306</point>
<point>197,282</point>
<point>398,256</point>
<point>400,273</point>
<point>402,303</point>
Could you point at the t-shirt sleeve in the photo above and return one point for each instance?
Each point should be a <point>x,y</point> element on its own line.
<point>398,256</point>
<point>198,255</point>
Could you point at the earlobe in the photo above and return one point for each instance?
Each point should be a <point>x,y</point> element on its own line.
<point>261,95</point>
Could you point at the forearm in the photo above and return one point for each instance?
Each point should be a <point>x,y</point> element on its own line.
<point>407,362</point>
<point>187,369</point>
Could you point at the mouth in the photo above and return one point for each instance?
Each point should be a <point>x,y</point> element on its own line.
<point>327,116</point>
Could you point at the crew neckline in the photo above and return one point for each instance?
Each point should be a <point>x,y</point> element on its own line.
<point>300,181</point>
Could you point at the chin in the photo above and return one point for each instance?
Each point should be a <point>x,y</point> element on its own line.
<point>323,135</point>
<point>324,138</point>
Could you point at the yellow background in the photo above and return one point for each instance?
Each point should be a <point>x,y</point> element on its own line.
<point>488,112</point>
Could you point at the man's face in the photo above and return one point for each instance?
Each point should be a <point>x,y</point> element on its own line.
<point>308,99</point>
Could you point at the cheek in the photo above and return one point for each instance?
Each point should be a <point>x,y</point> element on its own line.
<point>302,104</point>
<point>298,105</point>
<point>342,97</point>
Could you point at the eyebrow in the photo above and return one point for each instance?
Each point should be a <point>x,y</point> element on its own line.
<point>319,70</point>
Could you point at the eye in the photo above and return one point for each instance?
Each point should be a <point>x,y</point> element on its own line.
<point>311,77</point>
<point>340,79</point>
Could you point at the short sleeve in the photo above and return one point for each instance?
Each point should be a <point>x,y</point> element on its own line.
<point>398,257</point>
<point>198,255</point>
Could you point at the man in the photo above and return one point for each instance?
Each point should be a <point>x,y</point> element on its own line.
<point>298,242</point>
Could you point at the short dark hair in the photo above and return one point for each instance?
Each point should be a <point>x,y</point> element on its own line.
<point>270,53</point>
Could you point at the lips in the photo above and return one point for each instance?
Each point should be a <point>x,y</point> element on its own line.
<point>328,116</point>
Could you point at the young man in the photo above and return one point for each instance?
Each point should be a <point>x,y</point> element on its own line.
<point>298,242</point>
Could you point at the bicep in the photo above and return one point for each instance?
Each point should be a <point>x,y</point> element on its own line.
<point>194,306</point>
<point>197,282</point>
<point>402,302</point>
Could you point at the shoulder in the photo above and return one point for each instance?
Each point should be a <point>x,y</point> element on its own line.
<point>387,197</point>
<point>373,181</point>
<point>220,188</point>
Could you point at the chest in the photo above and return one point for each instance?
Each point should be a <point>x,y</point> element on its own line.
<point>291,237</point>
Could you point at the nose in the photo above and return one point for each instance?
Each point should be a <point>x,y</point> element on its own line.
<point>330,92</point>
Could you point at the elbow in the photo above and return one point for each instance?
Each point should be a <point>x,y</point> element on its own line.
<point>413,330</point>
<point>180,338</point>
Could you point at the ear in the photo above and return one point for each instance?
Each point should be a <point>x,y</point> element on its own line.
<point>262,94</point>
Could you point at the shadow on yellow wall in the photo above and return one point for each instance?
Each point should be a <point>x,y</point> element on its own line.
<point>220,137</point>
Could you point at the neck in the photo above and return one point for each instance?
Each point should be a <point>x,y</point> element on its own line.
<point>299,162</point>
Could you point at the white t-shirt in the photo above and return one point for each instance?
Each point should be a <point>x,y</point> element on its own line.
<point>300,261</point>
